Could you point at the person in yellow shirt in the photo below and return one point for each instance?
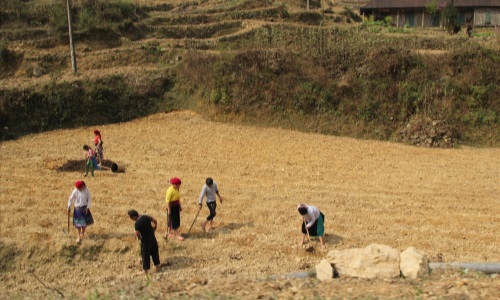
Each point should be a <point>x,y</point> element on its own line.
<point>174,209</point>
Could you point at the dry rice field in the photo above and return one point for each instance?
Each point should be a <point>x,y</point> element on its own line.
<point>445,202</point>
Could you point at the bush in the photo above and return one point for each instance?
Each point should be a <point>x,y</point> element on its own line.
<point>107,100</point>
<point>86,18</point>
<point>351,14</point>
<point>388,20</point>
<point>7,56</point>
<point>308,17</point>
<point>371,22</point>
<point>58,17</point>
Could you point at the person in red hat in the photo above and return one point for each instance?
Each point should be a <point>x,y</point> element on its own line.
<point>174,208</point>
<point>81,214</point>
<point>98,147</point>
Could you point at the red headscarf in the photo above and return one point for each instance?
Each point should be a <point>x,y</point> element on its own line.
<point>175,180</point>
<point>97,132</point>
<point>80,184</point>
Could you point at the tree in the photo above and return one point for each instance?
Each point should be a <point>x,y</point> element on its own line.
<point>432,7</point>
<point>450,14</point>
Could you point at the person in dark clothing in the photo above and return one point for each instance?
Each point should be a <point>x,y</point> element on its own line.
<point>146,233</point>
<point>468,25</point>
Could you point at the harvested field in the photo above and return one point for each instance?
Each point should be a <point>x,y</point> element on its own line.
<point>442,201</point>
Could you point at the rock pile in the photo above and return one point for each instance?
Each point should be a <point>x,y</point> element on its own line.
<point>422,131</point>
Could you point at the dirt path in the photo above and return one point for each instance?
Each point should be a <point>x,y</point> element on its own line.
<point>443,202</point>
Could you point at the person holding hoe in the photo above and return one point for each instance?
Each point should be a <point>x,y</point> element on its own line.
<point>81,215</point>
<point>210,190</point>
<point>313,223</point>
<point>174,208</point>
<point>146,234</point>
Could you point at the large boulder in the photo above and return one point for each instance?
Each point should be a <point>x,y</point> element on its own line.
<point>374,261</point>
<point>413,263</point>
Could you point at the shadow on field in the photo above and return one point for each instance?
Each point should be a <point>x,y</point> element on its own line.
<point>106,236</point>
<point>78,165</point>
<point>333,239</point>
<point>176,262</point>
<point>201,235</point>
<point>222,229</point>
<point>234,226</point>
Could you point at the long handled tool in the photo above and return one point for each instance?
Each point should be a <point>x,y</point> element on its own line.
<point>165,236</point>
<point>193,222</point>
<point>68,221</point>
<point>311,247</point>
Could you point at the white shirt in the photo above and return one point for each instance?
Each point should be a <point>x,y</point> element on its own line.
<point>311,216</point>
<point>81,198</point>
<point>210,192</point>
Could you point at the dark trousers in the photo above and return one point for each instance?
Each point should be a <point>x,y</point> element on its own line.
<point>149,248</point>
<point>313,231</point>
<point>211,206</point>
<point>175,216</point>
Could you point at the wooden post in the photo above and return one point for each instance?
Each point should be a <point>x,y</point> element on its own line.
<point>397,22</point>
<point>423,17</point>
<point>70,29</point>
<point>307,4</point>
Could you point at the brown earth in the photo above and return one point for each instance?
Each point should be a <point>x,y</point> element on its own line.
<point>442,201</point>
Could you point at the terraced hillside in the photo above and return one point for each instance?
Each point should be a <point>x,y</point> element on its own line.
<point>164,31</point>
<point>144,70</point>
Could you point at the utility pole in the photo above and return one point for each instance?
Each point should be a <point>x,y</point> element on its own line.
<point>72,47</point>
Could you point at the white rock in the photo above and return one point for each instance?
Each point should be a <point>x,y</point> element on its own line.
<point>374,261</point>
<point>324,270</point>
<point>413,263</point>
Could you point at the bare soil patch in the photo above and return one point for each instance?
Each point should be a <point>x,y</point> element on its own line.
<point>442,201</point>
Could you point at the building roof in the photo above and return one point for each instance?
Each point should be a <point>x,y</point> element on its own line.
<point>379,4</point>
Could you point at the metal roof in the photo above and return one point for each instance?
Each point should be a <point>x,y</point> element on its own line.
<point>378,4</point>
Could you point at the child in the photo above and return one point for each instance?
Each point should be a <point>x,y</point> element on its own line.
<point>210,190</point>
<point>90,162</point>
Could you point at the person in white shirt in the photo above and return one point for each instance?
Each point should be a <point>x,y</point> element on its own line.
<point>82,217</point>
<point>210,190</point>
<point>313,223</point>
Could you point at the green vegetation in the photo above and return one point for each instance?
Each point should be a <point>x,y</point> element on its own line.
<point>432,7</point>
<point>7,57</point>
<point>450,14</point>
<point>65,105</point>
<point>383,83</point>
<point>87,14</point>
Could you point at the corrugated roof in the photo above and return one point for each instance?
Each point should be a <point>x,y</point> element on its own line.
<point>421,3</point>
